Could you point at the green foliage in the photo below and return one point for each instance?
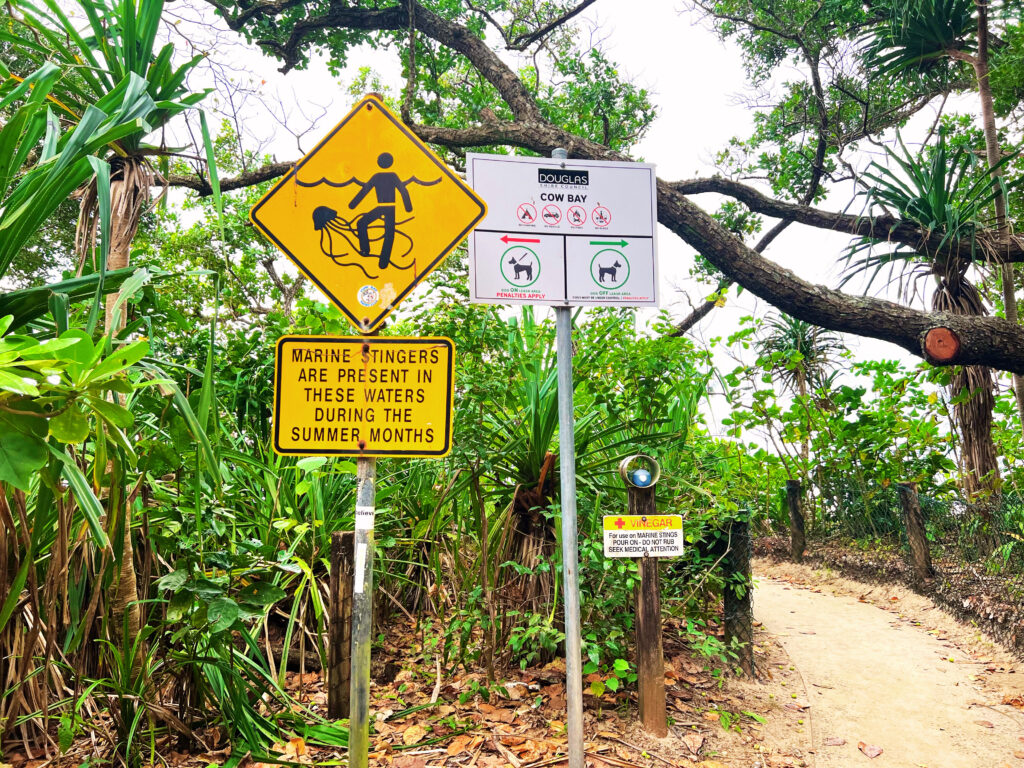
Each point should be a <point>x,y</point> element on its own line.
<point>943,193</point>
<point>919,34</point>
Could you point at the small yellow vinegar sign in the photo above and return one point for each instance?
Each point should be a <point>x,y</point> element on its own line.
<point>639,535</point>
<point>350,396</point>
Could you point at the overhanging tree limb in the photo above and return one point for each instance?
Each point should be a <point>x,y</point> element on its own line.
<point>884,227</point>
<point>982,340</point>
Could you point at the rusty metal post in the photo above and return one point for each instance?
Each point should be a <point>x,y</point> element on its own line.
<point>570,544</point>
<point>362,615</point>
<point>339,628</point>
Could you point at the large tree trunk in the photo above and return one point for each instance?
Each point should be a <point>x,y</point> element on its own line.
<point>129,193</point>
<point>993,156</point>
<point>972,389</point>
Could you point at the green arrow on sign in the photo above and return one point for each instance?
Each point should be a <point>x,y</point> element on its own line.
<point>620,243</point>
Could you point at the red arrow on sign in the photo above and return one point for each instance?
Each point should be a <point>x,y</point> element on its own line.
<point>506,239</point>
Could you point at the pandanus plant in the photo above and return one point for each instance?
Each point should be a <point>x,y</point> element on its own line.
<point>945,192</point>
<point>101,74</point>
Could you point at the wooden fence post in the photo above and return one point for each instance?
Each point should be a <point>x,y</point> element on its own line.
<point>650,657</point>
<point>339,627</point>
<point>798,539</point>
<point>916,536</point>
<point>739,616</point>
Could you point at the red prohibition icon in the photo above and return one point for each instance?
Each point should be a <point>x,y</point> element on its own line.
<point>576,216</point>
<point>526,213</point>
<point>601,216</point>
<point>551,214</point>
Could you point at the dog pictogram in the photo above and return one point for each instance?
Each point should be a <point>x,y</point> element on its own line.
<point>608,271</point>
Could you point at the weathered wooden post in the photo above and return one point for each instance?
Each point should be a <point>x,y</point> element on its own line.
<point>916,536</point>
<point>739,616</point>
<point>646,536</point>
<point>650,658</point>
<point>798,538</point>
<point>339,627</point>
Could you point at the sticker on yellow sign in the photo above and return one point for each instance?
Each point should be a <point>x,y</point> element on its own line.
<point>368,213</point>
<point>346,396</point>
<point>643,535</point>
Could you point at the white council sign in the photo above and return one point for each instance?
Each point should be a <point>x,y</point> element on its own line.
<point>564,232</point>
<point>639,535</point>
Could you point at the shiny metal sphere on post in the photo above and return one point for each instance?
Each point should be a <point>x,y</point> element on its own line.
<point>639,471</point>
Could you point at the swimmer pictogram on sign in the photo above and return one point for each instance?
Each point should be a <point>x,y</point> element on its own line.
<point>368,213</point>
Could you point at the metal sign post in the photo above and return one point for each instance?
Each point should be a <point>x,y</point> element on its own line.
<point>362,615</point>
<point>366,216</point>
<point>570,546</point>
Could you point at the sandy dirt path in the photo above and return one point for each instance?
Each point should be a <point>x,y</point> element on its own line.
<point>871,678</point>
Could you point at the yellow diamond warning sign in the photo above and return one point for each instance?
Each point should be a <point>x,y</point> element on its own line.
<point>380,396</point>
<point>368,213</point>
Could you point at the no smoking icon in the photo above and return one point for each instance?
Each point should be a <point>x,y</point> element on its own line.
<point>526,213</point>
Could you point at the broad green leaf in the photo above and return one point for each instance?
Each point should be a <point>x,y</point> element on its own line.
<point>119,360</point>
<point>112,412</point>
<point>71,425</point>
<point>261,594</point>
<point>221,613</point>
<point>19,385</point>
<point>173,581</point>
<point>22,448</point>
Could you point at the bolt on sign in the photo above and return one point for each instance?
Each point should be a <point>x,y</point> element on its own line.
<point>377,396</point>
<point>368,213</point>
<point>640,535</point>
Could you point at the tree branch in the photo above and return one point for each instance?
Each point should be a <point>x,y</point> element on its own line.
<point>256,176</point>
<point>882,227</point>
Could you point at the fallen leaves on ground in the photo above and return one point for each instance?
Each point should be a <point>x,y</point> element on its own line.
<point>693,742</point>
<point>869,749</point>
<point>834,741</point>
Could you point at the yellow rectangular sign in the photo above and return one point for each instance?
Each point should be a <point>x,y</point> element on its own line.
<point>643,535</point>
<point>352,396</point>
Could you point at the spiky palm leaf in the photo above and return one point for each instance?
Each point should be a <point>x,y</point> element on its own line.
<point>942,191</point>
<point>916,35</point>
<point>807,352</point>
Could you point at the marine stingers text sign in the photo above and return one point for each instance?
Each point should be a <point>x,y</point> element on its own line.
<point>368,213</point>
<point>385,396</point>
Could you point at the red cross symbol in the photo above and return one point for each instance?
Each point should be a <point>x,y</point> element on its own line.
<point>620,523</point>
